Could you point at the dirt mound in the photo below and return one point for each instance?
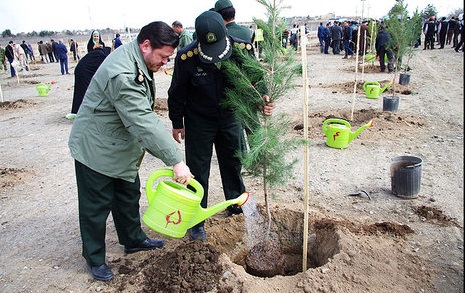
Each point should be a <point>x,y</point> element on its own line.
<point>386,126</point>
<point>190,267</point>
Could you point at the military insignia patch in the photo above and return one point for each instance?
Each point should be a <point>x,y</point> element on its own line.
<point>140,76</point>
<point>211,37</point>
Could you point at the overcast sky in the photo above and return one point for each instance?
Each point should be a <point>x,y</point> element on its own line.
<point>27,15</point>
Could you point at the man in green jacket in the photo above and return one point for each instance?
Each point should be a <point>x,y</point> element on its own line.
<point>228,13</point>
<point>113,128</point>
<point>185,38</point>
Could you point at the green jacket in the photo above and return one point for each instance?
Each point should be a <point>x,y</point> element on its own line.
<point>238,31</point>
<point>185,38</point>
<point>115,122</point>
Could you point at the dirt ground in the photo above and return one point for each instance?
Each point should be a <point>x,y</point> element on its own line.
<point>357,241</point>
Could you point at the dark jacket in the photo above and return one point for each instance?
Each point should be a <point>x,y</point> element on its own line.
<point>320,33</point>
<point>61,51</point>
<point>382,40</point>
<point>198,87</point>
<point>83,74</point>
<point>9,53</point>
<point>347,33</point>
<point>336,32</point>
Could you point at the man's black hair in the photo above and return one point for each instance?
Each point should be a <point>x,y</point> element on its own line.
<point>159,34</point>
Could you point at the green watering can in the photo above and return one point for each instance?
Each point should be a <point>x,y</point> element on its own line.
<point>338,133</point>
<point>173,208</point>
<point>372,58</point>
<point>373,89</point>
<point>42,89</point>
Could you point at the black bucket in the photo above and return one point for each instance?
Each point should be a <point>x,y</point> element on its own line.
<point>404,79</point>
<point>391,104</point>
<point>405,176</point>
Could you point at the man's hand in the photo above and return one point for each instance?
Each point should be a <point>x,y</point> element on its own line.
<point>177,133</point>
<point>182,173</point>
<point>269,106</point>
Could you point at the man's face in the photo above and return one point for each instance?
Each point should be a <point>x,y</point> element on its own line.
<point>176,29</point>
<point>155,58</point>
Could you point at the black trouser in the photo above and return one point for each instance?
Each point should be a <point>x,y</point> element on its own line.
<point>429,41</point>
<point>98,195</point>
<point>226,135</point>
<point>381,53</point>
<point>336,46</point>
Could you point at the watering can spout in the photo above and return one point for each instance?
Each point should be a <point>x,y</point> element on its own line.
<point>202,214</point>
<point>385,87</point>
<point>357,132</point>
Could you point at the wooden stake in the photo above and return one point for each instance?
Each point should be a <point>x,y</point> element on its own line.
<point>364,53</point>
<point>356,74</point>
<point>372,37</point>
<point>1,92</point>
<point>303,46</point>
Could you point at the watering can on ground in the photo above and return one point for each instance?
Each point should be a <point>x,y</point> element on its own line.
<point>43,89</point>
<point>338,134</point>
<point>373,89</point>
<point>173,208</point>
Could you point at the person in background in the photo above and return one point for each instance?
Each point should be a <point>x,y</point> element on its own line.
<point>294,38</point>
<point>321,36</point>
<point>227,11</point>
<point>442,31</point>
<point>194,102</point>
<point>62,55</point>
<point>285,37</point>
<point>83,74</point>
<point>31,52</point>
<point>185,38</point>
<point>326,38</point>
<point>2,58</point>
<point>20,55</point>
<point>25,49</point>
<point>10,55</point>
<point>43,51</point>
<point>114,127</point>
<point>462,36</point>
<point>54,43</point>
<point>73,47</point>
<point>95,42</point>
<point>429,29</point>
<point>347,38</point>
<point>51,57</point>
<point>117,42</point>
<point>365,36</point>
<point>336,37</point>
<point>382,43</point>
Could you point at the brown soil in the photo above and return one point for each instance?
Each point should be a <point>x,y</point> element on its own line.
<point>360,237</point>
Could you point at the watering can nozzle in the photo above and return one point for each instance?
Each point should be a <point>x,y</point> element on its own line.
<point>242,199</point>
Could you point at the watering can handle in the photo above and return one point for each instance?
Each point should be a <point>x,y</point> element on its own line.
<point>334,120</point>
<point>365,86</point>
<point>166,172</point>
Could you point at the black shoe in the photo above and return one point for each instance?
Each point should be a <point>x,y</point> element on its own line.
<point>198,233</point>
<point>234,210</point>
<point>147,244</point>
<point>102,272</point>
